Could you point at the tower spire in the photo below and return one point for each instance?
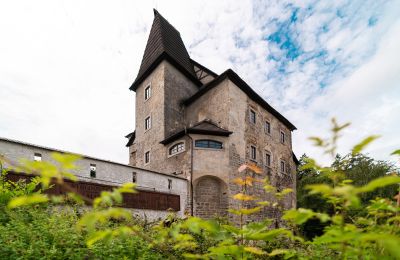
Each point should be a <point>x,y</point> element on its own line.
<point>164,42</point>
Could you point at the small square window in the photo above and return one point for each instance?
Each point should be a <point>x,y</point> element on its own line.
<point>267,127</point>
<point>147,123</point>
<point>282,137</point>
<point>147,92</point>
<point>253,153</point>
<point>268,159</point>
<point>169,184</point>
<point>37,157</point>
<point>134,177</point>
<point>93,170</point>
<point>147,157</point>
<point>252,116</point>
<point>282,168</point>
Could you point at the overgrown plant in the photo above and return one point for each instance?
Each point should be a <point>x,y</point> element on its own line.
<point>375,235</point>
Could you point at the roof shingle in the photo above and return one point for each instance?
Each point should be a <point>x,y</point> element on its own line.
<point>164,42</point>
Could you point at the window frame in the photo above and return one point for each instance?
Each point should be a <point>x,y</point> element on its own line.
<point>282,133</point>
<point>93,170</point>
<point>37,157</point>
<point>147,159</point>
<point>284,166</point>
<point>208,144</point>
<point>251,112</point>
<point>253,147</point>
<point>267,122</point>
<point>148,87</point>
<point>145,123</point>
<point>270,159</point>
<point>178,151</point>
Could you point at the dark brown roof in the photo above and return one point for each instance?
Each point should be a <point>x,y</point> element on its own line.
<point>204,127</point>
<point>164,42</point>
<point>131,137</point>
<point>230,74</point>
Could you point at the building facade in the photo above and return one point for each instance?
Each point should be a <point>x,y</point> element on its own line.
<point>200,125</point>
<point>108,173</point>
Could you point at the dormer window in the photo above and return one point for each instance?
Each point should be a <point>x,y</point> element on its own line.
<point>147,92</point>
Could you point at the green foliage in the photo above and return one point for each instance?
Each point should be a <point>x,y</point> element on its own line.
<point>352,200</point>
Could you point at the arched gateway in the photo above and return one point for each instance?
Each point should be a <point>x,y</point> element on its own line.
<point>210,197</point>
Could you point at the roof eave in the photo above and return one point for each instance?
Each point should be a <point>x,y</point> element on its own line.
<point>153,66</point>
<point>243,86</point>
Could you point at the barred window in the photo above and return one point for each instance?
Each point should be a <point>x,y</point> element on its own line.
<point>179,147</point>
<point>208,144</point>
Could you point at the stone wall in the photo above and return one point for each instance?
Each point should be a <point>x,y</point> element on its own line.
<point>107,172</point>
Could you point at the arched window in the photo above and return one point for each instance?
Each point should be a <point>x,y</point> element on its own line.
<point>179,147</point>
<point>208,144</point>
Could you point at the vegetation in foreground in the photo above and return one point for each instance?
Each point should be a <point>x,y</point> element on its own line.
<point>346,211</point>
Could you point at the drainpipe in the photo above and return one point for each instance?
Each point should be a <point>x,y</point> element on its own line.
<point>191,172</point>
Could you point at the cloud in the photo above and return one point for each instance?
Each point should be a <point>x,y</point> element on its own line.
<point>66,66</point>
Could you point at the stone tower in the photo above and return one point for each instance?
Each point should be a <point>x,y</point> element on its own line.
<point>192,122</point>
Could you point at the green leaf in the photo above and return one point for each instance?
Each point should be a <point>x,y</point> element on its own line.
<point>359,147</point>
<point>397,152</point>
<point>379,183</point>
<point>254,250</point>
<point>27,200</point>
<point>298,216</point>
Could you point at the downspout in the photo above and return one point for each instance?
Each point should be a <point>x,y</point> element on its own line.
<point>191,172</point>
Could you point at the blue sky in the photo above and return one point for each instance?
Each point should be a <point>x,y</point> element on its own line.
<point>66,66</point>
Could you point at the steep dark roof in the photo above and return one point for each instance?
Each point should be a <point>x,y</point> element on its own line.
<point>204,127</point>
<point>164,42</point>
<point>230,74</point>
<point>131,137</point>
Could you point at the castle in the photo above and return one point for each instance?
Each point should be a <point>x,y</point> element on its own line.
<point>194,123</point>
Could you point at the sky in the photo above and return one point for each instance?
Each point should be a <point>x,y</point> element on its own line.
<point>66,66</point>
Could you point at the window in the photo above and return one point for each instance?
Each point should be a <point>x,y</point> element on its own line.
<point>208,144</point>
<point>147,123</point>
<point>147,157</point>
<point>169,184</point>
<point>282,168</point>
<point>268,159</point>
<point>267,127</point>
<point>134,177</point>
<point>93,170</point>
<point>253,153</point>
<point>252,116</point>
<point>177,148</point>
<point>282,137</point>
<point>37,157</point>
<point>147,92</point>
